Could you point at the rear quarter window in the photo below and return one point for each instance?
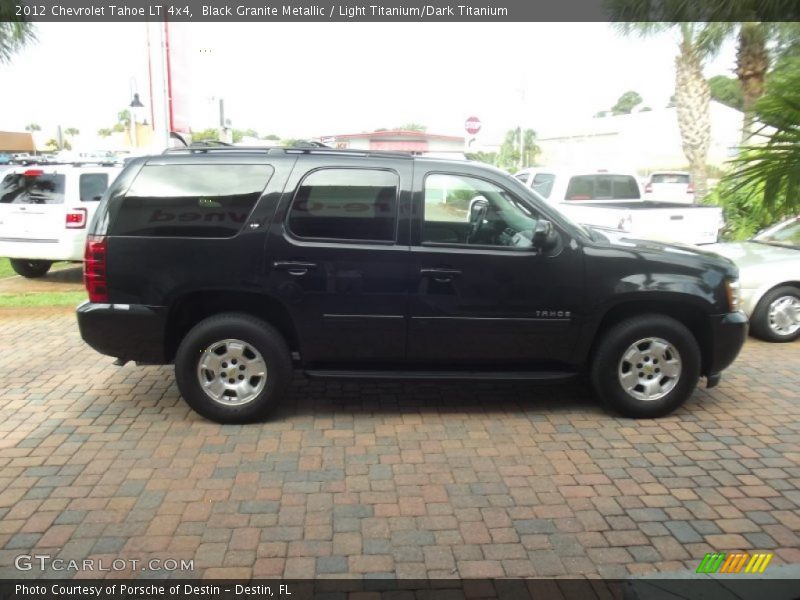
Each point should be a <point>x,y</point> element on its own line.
<point>32,187</point>
<point>203,200</point>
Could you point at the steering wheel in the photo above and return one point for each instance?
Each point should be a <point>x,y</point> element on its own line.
<point>478,209</point>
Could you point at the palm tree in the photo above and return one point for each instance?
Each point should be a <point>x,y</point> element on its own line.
<point>71,131</point>
<point>104,133</point>
<point>697,43</point>
<point>32,127</point>
<point>770,172</point>
<point>14,35</point>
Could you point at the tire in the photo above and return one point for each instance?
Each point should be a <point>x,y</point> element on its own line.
<point>30,268</point>
<point>238,340</point>
<point>656,356</point>
<point>772,318</point>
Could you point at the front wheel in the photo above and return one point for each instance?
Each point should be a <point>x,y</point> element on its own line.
<point>777,316</point>
<point>30,268</point>
<point>233,368</point>
<point>646,366</point>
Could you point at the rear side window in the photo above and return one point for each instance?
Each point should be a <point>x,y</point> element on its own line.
<point>32,187</point>
<point>346,204</point>
<point>203,200</point>
<point>602,187</point>
<point>93,186</point>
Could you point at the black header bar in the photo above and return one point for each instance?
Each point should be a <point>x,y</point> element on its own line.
<point>422,11</point>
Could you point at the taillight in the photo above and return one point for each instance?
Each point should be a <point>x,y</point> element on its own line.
<point>94,268</point>
<point>33,173</point>
<point>76,218</point>
<point>648,189</point>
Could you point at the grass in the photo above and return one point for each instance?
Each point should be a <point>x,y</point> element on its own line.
<point>41,299</point>
<point>5,268</point>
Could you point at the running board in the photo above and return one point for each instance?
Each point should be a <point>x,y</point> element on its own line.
<point>443,375</point>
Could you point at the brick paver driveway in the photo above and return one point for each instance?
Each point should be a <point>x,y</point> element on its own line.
<point>401,479</point>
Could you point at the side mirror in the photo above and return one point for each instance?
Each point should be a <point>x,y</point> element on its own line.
<point>544,235</point>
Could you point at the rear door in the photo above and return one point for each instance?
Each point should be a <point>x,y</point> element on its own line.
<point>33,205</point>
<point>337,257</point>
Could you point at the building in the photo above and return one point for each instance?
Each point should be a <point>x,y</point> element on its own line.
<point>398,140</point>
<point>641,141</point>
<point>13,141</point>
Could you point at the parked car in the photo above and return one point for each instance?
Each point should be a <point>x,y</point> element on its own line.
<point>5,159</point>
<point>23,158</point>
<point>44,213</point>
<point>769,264</point>
<point>238,264</point>
<point>613,200</point>
<point>670,186</point>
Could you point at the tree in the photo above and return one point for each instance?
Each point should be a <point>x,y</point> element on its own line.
<point>14,35</point>
<point>104,133</point>
<point>768,174</point>
<point>509,157</point>
<point>626,103</point>
<point>727,91</point>
<point>71,131</point>
<point>210,134</point>
<point>697,43</point>
<point>413,127</point>
<point>271,136</point>
<point>32,127</point>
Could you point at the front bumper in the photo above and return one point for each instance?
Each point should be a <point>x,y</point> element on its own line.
<point>126,331</point>
<point>728,334</point>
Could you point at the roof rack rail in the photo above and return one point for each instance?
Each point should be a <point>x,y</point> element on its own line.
<point>285,150</point>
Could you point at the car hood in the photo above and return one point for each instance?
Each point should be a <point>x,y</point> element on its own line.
<point>673,252</point>
<point>761,264</point>
<point>753,254</point>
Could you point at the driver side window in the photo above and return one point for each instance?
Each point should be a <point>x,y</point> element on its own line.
<point>466,210</point>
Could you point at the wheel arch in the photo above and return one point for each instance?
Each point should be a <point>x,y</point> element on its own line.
<point>692,316</point>
<point>191,308</point>
<point>762,291</point>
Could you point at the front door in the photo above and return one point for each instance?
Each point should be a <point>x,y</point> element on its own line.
<point>483,297</point>
<point>338,259</point>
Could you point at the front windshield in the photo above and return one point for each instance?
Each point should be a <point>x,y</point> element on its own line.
<point>786,235</point>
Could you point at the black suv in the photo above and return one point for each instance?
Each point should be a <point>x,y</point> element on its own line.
<point>238,264</point>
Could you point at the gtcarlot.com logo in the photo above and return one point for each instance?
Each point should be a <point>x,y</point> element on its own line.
<point>734,562</point>
<point>27,562</point>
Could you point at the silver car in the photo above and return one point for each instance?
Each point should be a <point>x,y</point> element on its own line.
<point>769,272</point>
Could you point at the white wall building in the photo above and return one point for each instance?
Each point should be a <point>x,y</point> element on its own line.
<point>642,141</point>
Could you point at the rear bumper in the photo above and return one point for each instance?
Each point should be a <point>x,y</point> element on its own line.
<point>728,334</point>
<point>126,331</point>
<point>43,249</point>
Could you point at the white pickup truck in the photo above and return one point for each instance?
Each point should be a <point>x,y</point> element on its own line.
<point>613,200</point>
<point>45,211</point>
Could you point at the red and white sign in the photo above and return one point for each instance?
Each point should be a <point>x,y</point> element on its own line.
<point>472,125</point>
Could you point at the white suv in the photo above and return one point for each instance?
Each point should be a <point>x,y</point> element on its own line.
<point>44,212</point>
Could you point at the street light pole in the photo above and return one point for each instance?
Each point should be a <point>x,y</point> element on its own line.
<point>135,103</point>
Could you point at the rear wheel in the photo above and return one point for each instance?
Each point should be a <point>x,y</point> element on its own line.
<point>646,366</point>
<point>30,268</point>
<point>233,368</point>
<point>777,316</point>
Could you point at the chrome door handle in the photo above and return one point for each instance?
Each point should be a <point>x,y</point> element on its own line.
<point>294,267</point>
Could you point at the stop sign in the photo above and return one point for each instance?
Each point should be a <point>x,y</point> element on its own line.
<point>472,125</point>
